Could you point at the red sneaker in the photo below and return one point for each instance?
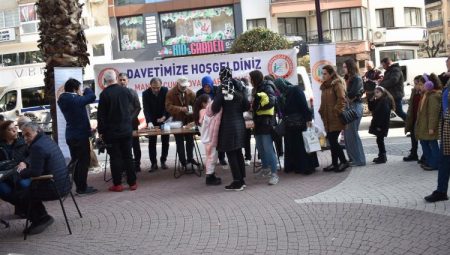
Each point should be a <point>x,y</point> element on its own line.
<point>116,188</point>
<point>133,187</point>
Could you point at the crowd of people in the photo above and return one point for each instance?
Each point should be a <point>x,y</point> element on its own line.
<point>220,112</point>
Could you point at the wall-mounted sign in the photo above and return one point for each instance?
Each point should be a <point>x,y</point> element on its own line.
<point>196,48</point>
<point>7,34</point>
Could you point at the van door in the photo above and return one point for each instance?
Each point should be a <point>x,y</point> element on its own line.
<point>8,105</point>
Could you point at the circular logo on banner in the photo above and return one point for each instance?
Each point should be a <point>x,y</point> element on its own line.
<point>101,81</point>
<point>281,66</point>
<point>317,69</point>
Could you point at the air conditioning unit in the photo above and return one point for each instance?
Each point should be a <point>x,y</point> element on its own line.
<point>379,36</point>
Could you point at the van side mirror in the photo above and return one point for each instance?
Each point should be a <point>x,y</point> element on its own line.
<point>408,84</point>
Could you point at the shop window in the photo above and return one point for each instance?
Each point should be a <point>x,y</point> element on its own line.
<point>254,23</point>
<point>8,101</point>
<point>385,17</point>
<point>413,17</point>
<point>98,50</point>
<point>197,26</point>
<point>30,57</point>
<point>28,19</point>
<point>10,59</point>
<point>132,33</point>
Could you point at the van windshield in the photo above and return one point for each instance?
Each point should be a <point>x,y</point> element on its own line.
<point>34,97</point>
<point>8,101</point>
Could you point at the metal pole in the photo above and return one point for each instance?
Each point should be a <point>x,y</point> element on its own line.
<point>319,22</point>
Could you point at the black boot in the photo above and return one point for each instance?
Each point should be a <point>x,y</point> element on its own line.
<point>211,179</point>
<point>436,196</point>
<point>411,157</point>
<point>381,159</point>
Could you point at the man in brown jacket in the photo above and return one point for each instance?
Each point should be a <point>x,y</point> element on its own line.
<point>179,103</point>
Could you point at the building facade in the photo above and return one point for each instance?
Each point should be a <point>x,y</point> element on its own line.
<point>362,29</point>
<point>438,20</point>
<point>19,53</point>
<point>154,29</point>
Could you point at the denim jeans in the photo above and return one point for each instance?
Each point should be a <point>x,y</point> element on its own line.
<point>353,143</point>
<point>6,190</point>
<point>431,152</point>
<point>264,144</point>
<point>444,172</point>
<point>399,108</point>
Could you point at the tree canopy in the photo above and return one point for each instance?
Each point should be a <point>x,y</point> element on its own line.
<point>259,39</point>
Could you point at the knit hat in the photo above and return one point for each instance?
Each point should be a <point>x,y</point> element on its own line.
<point>207,80</point>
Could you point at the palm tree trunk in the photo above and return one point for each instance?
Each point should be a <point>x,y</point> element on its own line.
<point>62,43</point>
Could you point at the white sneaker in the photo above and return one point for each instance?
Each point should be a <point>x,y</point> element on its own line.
<point>274,179</point>
<point>263,173</point>
<point>247,162</point>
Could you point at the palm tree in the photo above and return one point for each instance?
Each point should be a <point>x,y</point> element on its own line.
<point>62,43</point>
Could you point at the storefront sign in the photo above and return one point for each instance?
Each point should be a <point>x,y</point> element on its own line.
<point>282,63</point>
<point>197,48</point>
<point>7,34</point>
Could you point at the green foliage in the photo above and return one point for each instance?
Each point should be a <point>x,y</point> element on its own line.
<point>259,39</point>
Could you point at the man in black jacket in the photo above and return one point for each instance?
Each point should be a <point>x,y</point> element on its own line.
<point>393,82</point>
<point>154,100</point>
<point>114,118</point>
<point>135,107</point>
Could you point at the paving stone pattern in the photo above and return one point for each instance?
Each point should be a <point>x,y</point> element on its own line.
<point>367,210</point>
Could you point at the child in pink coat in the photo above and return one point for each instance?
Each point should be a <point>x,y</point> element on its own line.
<point>209,124</point>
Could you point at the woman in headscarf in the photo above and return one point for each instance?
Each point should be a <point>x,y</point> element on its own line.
<point>293,102</point>
<point>232,99</point>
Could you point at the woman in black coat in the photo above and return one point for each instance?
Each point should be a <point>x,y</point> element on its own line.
<point>293,102</point>
<point>381,105</point>
<point>232,99</point>
<point>13,150</point>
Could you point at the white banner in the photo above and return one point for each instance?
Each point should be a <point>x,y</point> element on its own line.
<point>282,63</point>
<point>320,56</point>
<point>62,74</point>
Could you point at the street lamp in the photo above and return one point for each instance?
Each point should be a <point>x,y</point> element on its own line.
<point>319,22</point>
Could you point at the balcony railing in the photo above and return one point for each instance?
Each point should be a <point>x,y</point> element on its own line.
<point>435,23</point>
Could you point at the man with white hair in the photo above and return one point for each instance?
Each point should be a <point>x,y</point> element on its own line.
<point>114,118</point>
<point>179,103</point>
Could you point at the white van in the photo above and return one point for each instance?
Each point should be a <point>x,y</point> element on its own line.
<point>26,96</point>
<point>304,81</point>
<point>413,67</point>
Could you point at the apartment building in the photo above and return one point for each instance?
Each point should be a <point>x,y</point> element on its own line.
<point>153,29</point>
<point>362,29</point>
<point>19,53</point>
<point>438,25</point>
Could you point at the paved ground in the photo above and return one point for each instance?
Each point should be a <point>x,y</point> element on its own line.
<point>367,210</point>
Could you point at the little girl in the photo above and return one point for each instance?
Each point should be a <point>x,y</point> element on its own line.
<point>381,105</point>
<point>427,123</point>
<point>209,124</point>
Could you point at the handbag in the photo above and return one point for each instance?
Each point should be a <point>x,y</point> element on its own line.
<point>295,120</point>
<point>311,141</point>
<point>348,115</point>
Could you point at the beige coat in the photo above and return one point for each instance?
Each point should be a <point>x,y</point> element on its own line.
<point>332,104</point>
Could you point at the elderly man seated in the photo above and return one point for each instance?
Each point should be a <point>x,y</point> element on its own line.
<point>45,157</point>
